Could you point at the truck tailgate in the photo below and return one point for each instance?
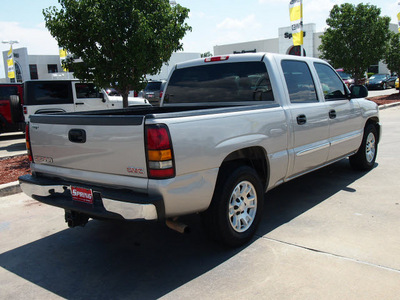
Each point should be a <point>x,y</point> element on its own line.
<point>112,144</point>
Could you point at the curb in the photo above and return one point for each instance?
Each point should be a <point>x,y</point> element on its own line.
<point>10,188</point>
<point>388,105</point>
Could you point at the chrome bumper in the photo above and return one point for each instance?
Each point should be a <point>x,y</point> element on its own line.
<point>109,203</point>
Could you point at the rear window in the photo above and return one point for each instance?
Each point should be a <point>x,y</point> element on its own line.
<point>227,82</point>
<point>6,91</point>
<point>153,86</point>
<point>52,92</point>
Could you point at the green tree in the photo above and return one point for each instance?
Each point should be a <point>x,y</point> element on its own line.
<point>206,54</point>
<point>392,55</point>
<point>356,37</point>
<point>117,42</point>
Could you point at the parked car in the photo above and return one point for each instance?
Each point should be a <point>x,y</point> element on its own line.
<point>50,96</point>
<point>347,78</point>
<point>11,100</point>
<point>153,91</point>
<point>380,81</point>
<point>396,83</point>
<point>229,129</point>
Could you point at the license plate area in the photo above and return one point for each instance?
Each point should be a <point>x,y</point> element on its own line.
<point>82,195</point>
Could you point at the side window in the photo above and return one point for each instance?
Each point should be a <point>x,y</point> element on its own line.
<point>86,90</point>
<point>53,92</point>
<point>332,85</point>
<point>299,81</point>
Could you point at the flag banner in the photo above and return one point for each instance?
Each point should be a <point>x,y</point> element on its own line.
<point>398,18</point>
<point>63,56</point>
<point>10,64</point>
<point>296,20</point>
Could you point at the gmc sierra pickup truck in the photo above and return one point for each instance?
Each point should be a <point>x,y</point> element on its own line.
<point>229,129</point>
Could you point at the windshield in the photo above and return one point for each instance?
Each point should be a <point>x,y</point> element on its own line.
<point>153,86</point>
<point>378,77</point>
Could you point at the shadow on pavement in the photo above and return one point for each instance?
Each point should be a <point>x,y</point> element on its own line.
<point>146,260</point>
<point>14,147</point>
<point>14,136</point>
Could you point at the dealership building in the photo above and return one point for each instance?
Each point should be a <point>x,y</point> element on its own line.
<point>29,67</point>
<point>283,44</point>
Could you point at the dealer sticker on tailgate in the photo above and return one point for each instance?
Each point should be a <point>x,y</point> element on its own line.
<point>82,195</point>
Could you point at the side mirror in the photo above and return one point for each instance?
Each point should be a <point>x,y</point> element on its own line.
<point>358,91</point>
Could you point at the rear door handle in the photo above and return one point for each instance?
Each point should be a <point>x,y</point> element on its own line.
<point>79,103</point>
<point>77,136</point>
<point>332,114</point>
<point>301,119</point>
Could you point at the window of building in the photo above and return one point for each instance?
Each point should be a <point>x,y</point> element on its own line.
<point>33,71</point>
<point>299,81</point>
<point>52,68</point>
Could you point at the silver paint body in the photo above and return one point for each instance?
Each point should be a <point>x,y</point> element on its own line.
<point>202,142</point>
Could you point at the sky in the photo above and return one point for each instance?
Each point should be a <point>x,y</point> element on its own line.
<point>213,22</point>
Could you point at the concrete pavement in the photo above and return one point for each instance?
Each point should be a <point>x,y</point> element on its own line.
<point>332,234</point>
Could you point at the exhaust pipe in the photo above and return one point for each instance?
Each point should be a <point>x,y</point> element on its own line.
<point>177,226</point>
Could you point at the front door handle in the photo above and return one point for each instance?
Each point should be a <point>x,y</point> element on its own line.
<point>301,119</point>
<point>79,103</point>
<point>332,114</point>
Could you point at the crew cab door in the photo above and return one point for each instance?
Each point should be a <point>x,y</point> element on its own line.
<point>309,119</point>
<point>345,120</point>
<point>88,97</point>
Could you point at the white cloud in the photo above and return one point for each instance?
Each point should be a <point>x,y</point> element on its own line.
<point>273,1</point>
<point>248,22</point>
<point>37,40</point>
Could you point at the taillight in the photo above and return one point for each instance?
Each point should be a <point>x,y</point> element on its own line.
<point>25,110</point>
<point>28,143</point>
<point>216,58</point>
<point>159,152</point>
<point>161,93</point>
<point>135,94</point>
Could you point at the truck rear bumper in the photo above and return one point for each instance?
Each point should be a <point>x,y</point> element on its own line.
<point>108,203</point>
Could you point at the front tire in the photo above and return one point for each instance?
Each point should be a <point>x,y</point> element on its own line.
<point>236,207</point>
<point>364,159</point>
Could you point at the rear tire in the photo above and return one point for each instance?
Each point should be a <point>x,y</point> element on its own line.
<point>364,159</point>
<point>236,208</point>
<point>16,109</point>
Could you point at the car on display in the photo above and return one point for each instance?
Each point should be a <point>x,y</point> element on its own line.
<point>381,81</point>
<point>228,129</point>
<point>347,78</point>
<point>153,91</point>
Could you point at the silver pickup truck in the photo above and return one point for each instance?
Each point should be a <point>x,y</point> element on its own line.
<point>229,129</point>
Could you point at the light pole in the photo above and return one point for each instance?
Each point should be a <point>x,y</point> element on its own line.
<point>11,42</point>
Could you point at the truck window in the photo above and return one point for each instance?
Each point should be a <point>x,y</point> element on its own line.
<point>332,85</point>
<point>6,91</point>
<point>86,90</point>
<point>227,82</point>
<point>299,81</point>
<point>49,92</point>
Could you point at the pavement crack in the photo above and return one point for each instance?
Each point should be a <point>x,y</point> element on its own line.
<point>332,254</point>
